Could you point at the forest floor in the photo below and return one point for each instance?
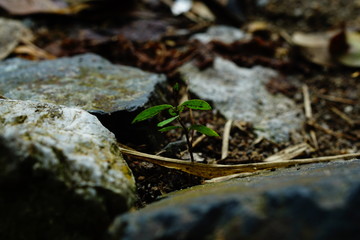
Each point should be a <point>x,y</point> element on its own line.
<point>148,36</point>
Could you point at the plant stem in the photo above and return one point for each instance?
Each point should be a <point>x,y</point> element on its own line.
<point>189,143</point>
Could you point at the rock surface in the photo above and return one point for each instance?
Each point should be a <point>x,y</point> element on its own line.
<point>308,15</point>
<point>240,94</point>
<point>111,92</point>
<point>61,173</point>
<point>221,33</point>
<point>317,201</point>
<point>86,81</point>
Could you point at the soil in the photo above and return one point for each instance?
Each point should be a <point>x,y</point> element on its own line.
<point>149,37</point>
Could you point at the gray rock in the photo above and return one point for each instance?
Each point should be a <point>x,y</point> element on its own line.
<point>318,201</point>
<point>61,173</point>
<point>240,94</point>
<point>307,15</point>
<point>86,81</point>
<point>221,33</point>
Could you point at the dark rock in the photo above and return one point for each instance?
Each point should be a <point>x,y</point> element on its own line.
<point>61,173</point>
<point>318,201</point>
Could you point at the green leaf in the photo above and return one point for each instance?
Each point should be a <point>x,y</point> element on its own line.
<point>196,104</point>
<point>204,130</point>
<point>173,111</point>
<point>150,112</point>
<point>168,128</point>
<point>167,121</point>
<point>180,108</point>
<point>176,87</point>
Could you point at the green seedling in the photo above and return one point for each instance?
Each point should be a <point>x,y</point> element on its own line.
<point>175,113</point>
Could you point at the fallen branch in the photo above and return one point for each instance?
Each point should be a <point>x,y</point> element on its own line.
<point>209,171</point>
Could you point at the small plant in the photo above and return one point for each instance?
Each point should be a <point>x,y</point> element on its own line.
<point>175,113</point>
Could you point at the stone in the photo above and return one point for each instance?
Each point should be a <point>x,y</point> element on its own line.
<point>87,81</point>
<point>62,175</point>
<point>114,93</point>
<point>306,15</point>
<point>316,201</point>
<point>221,33</point>
<point>240,94</point>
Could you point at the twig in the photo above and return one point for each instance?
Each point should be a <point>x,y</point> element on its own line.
<point>337,99</point>
<point>331,132</point>
<point>343,116</point>
<point>195,143</point>
<point>229,177</point>
<point>288,153</point>
<point>307,102</point>
<point>198,140</point>
<point>308,114</point>
<point>225,140</point>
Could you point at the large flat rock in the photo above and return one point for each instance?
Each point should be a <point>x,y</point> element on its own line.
<point>317,201</point>
<point>87,81</point>
<point>61,173</point>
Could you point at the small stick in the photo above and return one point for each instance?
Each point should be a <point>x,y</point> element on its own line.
<point>198,140</point>
<point>195,143</point>
<point>337,99</point>
<point>308,114</point>
<point>225,140</point>
<point>331,132</point>
<point>307,102</point>
<point>343,116</point>
<point>288,153</point>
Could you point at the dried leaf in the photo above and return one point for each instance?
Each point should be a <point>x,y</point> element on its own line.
<point>21,7</point>
<point>12,32</point>
<point>33,52</point>
<point>212,171</point>
<point>352,57</point>
<point>315,46</point>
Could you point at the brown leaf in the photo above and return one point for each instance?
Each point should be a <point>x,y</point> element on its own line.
<point>351,58</point>
<point>315,46</point>
<point>212,171</point>
<point>21,7</point>
<point>12,32</point>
